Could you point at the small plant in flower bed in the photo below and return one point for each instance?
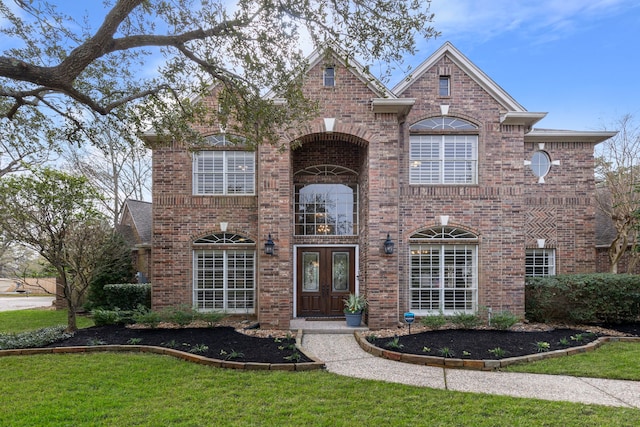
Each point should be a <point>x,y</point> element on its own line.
<point>483,343</point>
<point>543,346</point>
<point>395,343</point>
<point>33,339</point>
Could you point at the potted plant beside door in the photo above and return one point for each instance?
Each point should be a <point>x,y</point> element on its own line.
<point>354,306</point>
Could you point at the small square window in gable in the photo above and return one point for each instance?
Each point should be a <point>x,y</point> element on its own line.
<point>329,76</point>
<point>444,86</point>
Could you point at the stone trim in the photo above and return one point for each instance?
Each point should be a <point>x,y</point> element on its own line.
<point>481,365</point>
<point>189,357</point>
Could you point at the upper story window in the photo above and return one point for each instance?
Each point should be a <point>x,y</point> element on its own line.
<point>444,86</point>
<point>326,209</point>
<point>329,76</point>
<point>443,150</point>
<point>226,169</point>
<point>540,164</point>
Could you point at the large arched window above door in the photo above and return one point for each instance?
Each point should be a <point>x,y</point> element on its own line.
<point>444,271</point>
<point>224,273</point>
<point>443,150</point>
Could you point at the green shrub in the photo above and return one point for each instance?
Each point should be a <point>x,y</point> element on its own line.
<point>105,317</point>
<point>128,296</point>
<point>465,320</point>
<point>181,315</point>
<point>210,317</point>
<point>503,320</point>
<point>32,339</point>
<point>584,298</point>
<point>434,322</point>
<point>114,266</point>
<point>147,317</point>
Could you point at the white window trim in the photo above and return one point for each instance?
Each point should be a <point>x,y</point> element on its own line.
<point>442,160</point>
<point>547,254</point>
<point>442,300</point>
<point>225,289</point>
<point>196,188</point>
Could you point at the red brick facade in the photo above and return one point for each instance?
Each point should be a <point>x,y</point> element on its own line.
<point>507,209</point>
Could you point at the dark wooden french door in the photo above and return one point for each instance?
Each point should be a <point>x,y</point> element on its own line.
<point>325,276</point>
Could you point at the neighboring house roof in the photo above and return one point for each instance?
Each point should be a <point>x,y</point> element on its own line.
<point>140,213</point>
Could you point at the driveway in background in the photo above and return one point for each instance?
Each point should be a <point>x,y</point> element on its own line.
<point>23,303</point>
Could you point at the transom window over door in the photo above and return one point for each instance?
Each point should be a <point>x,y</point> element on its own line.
<point>326,209</point>
<point>444,271</point>
<point>224,273</point>
<point>446,157</point>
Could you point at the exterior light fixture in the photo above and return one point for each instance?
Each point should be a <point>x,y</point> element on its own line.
<point>388,245</point>
<point>269,246</point>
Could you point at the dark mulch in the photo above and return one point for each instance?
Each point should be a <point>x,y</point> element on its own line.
<point>223,342</point>
<point>475,344</point>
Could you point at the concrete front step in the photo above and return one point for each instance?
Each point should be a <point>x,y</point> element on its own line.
<point>324,327</point>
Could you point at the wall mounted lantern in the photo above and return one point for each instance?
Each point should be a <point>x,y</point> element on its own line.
<point>269,246</point>
<point>388,245</point>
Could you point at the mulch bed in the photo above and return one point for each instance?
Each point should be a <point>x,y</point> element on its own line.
<point>222,342</point>
<point>482,344</point>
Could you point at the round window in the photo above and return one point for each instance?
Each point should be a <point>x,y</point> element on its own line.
<point>540,163</point>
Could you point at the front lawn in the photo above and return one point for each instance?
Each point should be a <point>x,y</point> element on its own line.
<point>28,320</point>
<point>616,360</point>
<point>151,390</point>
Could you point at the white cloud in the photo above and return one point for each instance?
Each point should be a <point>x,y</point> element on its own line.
<point>538,20</point>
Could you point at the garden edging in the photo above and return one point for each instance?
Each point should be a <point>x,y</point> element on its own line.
<point>190,357</point>
<point>485,364</point>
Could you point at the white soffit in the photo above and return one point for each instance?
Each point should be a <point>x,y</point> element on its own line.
<point>553,135</point>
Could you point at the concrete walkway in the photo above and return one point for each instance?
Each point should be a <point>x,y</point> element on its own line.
<point>343,356</point>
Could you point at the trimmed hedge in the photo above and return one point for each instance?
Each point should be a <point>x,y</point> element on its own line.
<point>583,298</point>
<point>127,296</point>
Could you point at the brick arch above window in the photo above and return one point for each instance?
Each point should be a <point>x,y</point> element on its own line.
<point>331,136</point>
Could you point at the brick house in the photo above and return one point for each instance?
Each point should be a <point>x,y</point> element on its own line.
<point>446,166</point>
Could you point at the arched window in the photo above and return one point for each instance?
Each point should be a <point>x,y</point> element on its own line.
<point>444,271</point>
<point>224,276</point>
<point>443,150</point>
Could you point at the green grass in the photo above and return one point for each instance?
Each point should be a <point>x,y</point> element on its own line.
<point>616,360</point>
<point>27,320</point>
<point>151,390</point>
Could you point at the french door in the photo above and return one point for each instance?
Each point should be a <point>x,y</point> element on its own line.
<point>325,277</point>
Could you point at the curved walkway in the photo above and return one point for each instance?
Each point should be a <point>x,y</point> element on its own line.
<point>342,355</point>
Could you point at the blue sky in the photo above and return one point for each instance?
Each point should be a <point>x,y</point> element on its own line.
<point>578,60</point>
<point>575,59</point>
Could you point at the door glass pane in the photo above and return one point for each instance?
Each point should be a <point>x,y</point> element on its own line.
<point>310,271</point>
<point>340,269</point>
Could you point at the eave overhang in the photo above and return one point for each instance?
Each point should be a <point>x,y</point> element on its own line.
<point>523,118</point>
<point>399,106</point>
<point>553,135</point>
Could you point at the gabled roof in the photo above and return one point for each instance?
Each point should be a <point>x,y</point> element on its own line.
<point>320,55</point>
<point>516,112</point>
<point>141,216</point>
